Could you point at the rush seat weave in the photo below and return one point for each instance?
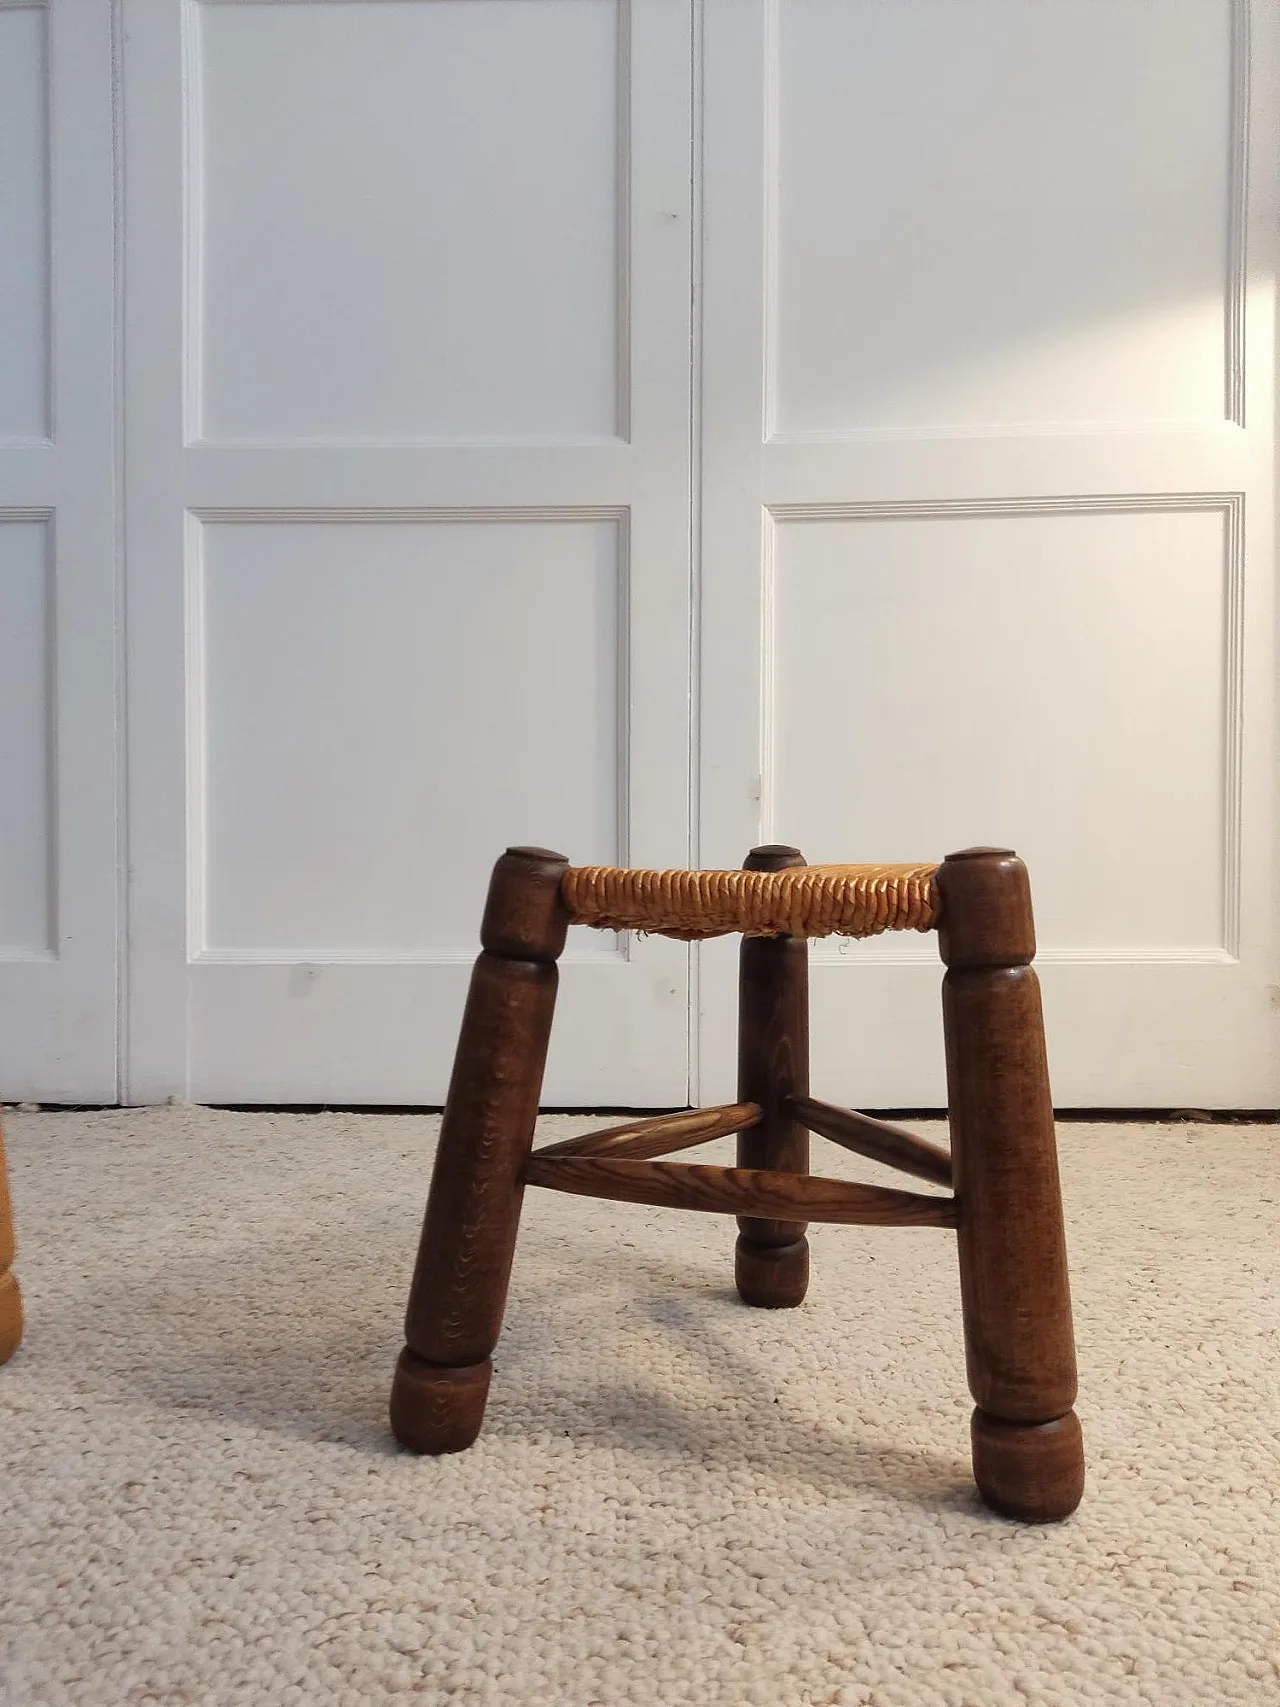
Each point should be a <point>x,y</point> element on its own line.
<point>810,901</point>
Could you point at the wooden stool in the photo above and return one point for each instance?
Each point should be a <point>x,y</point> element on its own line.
<point>10,1297</point>
<point>1006,1210</point>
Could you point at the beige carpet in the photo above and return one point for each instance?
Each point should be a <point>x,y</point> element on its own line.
<point>676,1499</point>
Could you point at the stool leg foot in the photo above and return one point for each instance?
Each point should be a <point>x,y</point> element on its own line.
<point>771,1258</point>
<point>771,1277</point>
<point>436,1409</point>
<point>1031,1471</point>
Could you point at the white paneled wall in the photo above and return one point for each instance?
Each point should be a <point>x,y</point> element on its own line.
<point>644,428</point>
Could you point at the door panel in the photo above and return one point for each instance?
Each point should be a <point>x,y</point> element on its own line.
<point>998,214</point>
<point>409,220</point>
<point>987,509</point>
<point>58,557</point>
<point>410,467</point>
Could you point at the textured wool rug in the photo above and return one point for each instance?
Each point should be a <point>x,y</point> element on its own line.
<point>675,1500</point>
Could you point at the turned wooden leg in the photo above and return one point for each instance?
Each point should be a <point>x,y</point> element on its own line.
<point>771,1258</point>
<point>10,1297</point>
<point>1028,1457</point>
<point>473,1208</point>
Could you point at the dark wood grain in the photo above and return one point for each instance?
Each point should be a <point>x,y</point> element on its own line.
<point>10,1297</point>
<point>757,1192</point>
<point>1019,1344</point>
<point>878,1140</point>
<point>661,1135</point>
<point>459,1288</point>
<point>771,1256</point>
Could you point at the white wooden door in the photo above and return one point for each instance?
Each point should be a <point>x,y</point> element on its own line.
<point>987,532</point>
<point>408,495</point>
<point>58,555</point>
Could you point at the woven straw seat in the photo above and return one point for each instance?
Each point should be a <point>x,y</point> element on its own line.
<point>811,901</point>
